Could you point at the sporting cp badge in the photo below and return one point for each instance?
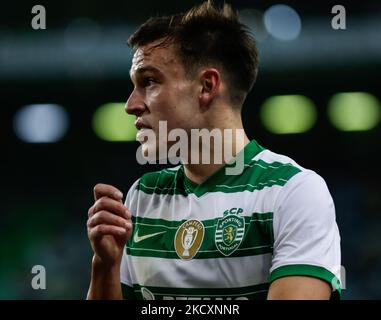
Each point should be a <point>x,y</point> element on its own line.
<point>229,232</point>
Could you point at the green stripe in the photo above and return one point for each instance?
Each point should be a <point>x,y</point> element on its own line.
<point>307,270</point>
<point>257,175</point>
<point>212,254</point>
<point>250,292</point>
<point>257,238</point>
<point>161,182</point>
<point>261,175</point>
<point>260,216</point>
<point>128,292</point>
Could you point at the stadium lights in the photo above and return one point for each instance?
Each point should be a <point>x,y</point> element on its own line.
<point>354,111</point>
<point>288,114</point>
<point>282,22</point>
<point>111,123</point>
<point>41,123</point>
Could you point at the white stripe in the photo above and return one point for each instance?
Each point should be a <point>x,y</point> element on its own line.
<point>157,250</point>
<point>167,227</point>
<point>205,273</point>
<point>154,225</point>
<point>255,186</point>
<point>259,220</point>
<point>269,157</point>
<point>268,166</point>
<point>255,164</point>
<point>206,295</point>
<point>210,206</point>
<point>156,188</point>
<point>239,230</point>
<point>174,168</point>
<point>211,226</point>
<point>149,249</point>
<point>253,248</point>
<point>169,171</point>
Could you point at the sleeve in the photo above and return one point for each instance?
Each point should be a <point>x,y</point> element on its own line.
<point>125,274</point>
<point>306,236</point>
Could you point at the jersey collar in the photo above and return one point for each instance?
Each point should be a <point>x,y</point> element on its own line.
<point>220,176</point>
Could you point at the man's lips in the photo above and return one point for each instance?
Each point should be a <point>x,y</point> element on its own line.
<point>140,124</point>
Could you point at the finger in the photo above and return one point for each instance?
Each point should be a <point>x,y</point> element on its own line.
<point>104,229</point>
<point>91,212</point>
<point>108,204</point>
<point>129,230</point>
<point>105,217</point>
<point>101,190</point>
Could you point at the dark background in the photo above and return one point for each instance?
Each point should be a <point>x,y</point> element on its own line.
<point>46,189</point>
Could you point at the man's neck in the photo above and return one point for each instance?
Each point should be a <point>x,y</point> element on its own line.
<point>199,172</point>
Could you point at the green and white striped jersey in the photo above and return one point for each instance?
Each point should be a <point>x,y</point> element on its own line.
<point>231,236</point>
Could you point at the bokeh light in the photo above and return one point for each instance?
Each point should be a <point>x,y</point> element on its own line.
<point>282,22</point>
<point>288,114</point>
<point>41,123</point>
<point>112,123</point>
<point>354,111</point>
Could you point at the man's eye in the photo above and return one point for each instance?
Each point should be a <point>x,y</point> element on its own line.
<point>148,82</point>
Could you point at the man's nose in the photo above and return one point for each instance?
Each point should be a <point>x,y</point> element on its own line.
<point>135,104</point>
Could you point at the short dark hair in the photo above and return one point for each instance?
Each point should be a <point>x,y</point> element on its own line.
<point>206,35</point>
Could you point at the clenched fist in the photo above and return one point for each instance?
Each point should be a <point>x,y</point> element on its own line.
<point>109,225</point>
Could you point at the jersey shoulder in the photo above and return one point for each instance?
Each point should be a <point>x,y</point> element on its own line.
<point>268,168</point>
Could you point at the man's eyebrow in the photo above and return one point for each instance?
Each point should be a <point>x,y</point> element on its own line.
<point>141,70</point>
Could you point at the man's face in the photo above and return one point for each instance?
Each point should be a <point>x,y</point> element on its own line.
<point>161,92</point>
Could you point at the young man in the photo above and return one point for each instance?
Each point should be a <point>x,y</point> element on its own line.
<point>193,231</point>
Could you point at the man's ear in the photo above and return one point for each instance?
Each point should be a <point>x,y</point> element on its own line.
<point>210,85</point>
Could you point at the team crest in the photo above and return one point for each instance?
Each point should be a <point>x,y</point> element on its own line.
<point>229,232</point>
<point>188,239</point>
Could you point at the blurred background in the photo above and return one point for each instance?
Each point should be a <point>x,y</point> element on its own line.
<point>63,127</point>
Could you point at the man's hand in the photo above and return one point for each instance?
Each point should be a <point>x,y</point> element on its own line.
<point>109,225</point>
